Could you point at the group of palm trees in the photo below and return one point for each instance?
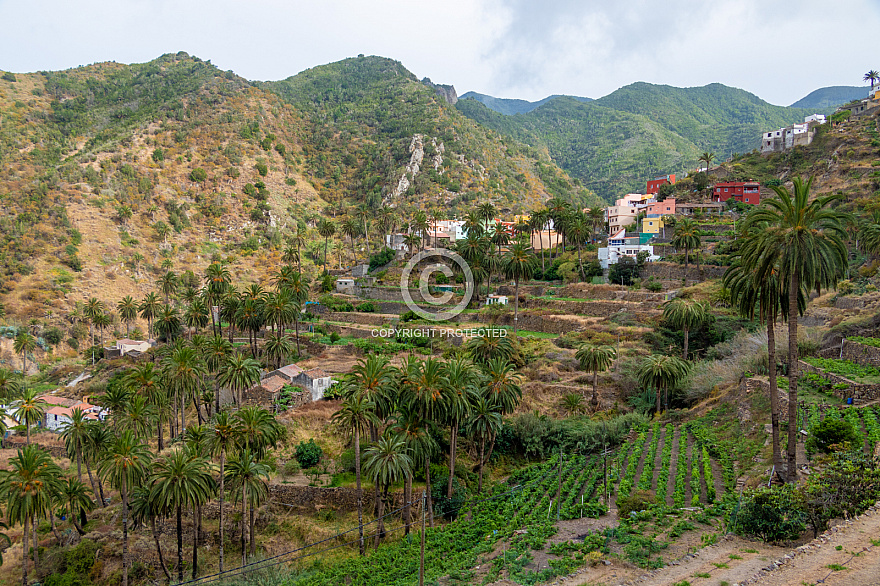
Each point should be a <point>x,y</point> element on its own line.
<point>403,410</point>
<point>140,404</point>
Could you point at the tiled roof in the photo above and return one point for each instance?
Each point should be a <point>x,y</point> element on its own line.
<point>290,370</point>
<point>273,384</point>
<point>314,373</point>
<point>53,400</point>
<point>61,411</point>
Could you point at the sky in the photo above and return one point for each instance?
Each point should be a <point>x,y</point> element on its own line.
<point>779,50</point>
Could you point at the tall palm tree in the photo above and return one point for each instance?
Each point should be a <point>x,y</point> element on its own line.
<point>215,352</point>
<point>102,321</point>
<point>806,240</point>
<point>483,424</point>
<point>537,222</point>
<point>462,380</point>
<point>149,309</point>
<point>24,344</point>
<point>417,436</point>
<point>144,509</point>
<point>579,229</point>
<point>217,281</point>
<point>707,158</point>
<point>771,300</point>
<point>386,462</point>
<point>685,315</point>
<point>128,311</point>
<point>222,438</point>
<point>180,480</point>
<point>661,372</point>
<point>196,315</point>
<point>257,430</point>
<point>139,416</point>
<point>502,385</point>
<point>326,228</point>
<point>873,76</point>
<point>27,487</point>
<point>168,322</point>
<point>75,435</point>
<point>76,496</point>
<point>350,228</point>
<point>595,358</point>
<point>420,225</point>
<point>29,409</point>
<point>124,465</point>
<point>99,440</point>
<point>248,477</point>
<point>277,349</point>
<point>355,416</point>
<point>239,373</point>
<point>168,284</point>
<point>518,264</point>
<point>9,384</point>
<point>93,307</point>
<point>298,240</point>
<point>686,236</point>
<point>184,372</point>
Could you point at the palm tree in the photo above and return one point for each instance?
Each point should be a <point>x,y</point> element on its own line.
<point>248,477</point>
<point>257,430</point>
<point>145,380</point>
<point>92,308</point>
<point>412,241</point>
<point>771,299</point>
<point>222,438</point>
<point>102,321</point>
<point>491,345</point>
<point>661,372</point>
<point>537,221</point>
<point>573,403</point>
<point>417,436</point>
<point>805,240</point>
<point>707,158</point>
<point>386,462</point>
<point>873,76</point>
<point>486,211</point>
<point>24,344</point>
<point>519,264</point>
<point>149,309</point>
<point>326,229</point>
<point>579,229</point>
<point>139,416</point>
<point>298,240</point>
<point>215,353</point>
<point>686,236</point>
<point>277,349</point>
<point>350,229</point>
<point>30,408</point>
<point>9,384</point>
<point>685,315</point>
<point>595,358</point>
<point>196,315</point>
<point>184,372</point>
<point>128,311</point>
<point>238,374</point>
<point>168,322</point>
<point>502,385</point>
<point>75,435</point>
<point>98,441</point>
<point>28,486</point>
<point>483,424</point>
<point>124,465</point>
<point>180,480</point>
<point>76,496</point>
<point>355,416</point>
<point>461,378</point>
<point>420,225</point>
<point>217,280</point>
<point>142,509</point>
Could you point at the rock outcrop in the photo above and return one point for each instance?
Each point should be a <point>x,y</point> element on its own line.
<point>447,92</point>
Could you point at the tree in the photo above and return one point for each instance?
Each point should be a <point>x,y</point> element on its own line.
<point>872,76</point>
<point>416,433</point>
<point>128,311</point>
<point>518,264</point>
<point>579,229</point>
<point>196,315</point>
<point>30,408</point>
<point>124,465</point>
<point>412,241</point>
<point>168,323</point>
<point>181,480</point>
<point>75,435</point>
<point>149,309</point>
<point>102,321</point>
<point>222,438</point>
<point>162,230</point>
<point>686,236</point>
<point>661,372</point>
<point>9,384</point>
<point>27,487</point>
<point>183,372</point>
<point>502,385</point>
<point>146,380</point>
<point>277,349</point>
<point>685,315</point>
<point>93,308</point>
<point>24,344</point>
<point>143,508</point>
<point>537,222</point>
<point>326,229</point>
<point>257,430</point>
<point>168,284</point>
<point>238,374</point>
<point>483,424</point>
<point>595,358</point>
<point>355,416</point>
<point>386,462</point>
<point>217,282</point>
<point>248,478</point>
<point>805,240</point>
<point>76,496</point>
<point>461,378</point>
<point>707,158</point>
<point>215,352</point>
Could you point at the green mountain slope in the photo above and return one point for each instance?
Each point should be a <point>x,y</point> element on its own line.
<point>510,106</point>
<point>829,97</point>
<point>617,142</point>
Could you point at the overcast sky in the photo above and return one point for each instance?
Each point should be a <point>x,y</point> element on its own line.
<point>778,49</point>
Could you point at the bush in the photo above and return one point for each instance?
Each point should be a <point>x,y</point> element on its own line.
<point>346,461</point>
<point>772,514</point>
<point>158,155</point>
<point>308,454</point>
<point>290,468</point>
<point>408,316</point>
<point>638,500</point>
<point>198,175</point>
<point>368,307</point>
<point>328,281</point>
<point>381,258</point>
<point>443,506</point>
<point>262,169</point>
<point>831,432</point>
<point>653,285</point>
<point>624,272</point>
<point>53,336</point>
<point>9,76</point>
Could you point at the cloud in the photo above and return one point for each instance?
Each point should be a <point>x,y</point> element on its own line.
<point>510,48</point>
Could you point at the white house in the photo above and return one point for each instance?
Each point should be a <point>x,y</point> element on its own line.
<point>314,380</point>
<point>396,242</point>
<point>494,299</point>
<point>59,417</point>
<point>619,244</point>
<point>345,285</point>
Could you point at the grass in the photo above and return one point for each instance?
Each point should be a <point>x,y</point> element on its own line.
<point>835,567</point>
<point>702,575</point>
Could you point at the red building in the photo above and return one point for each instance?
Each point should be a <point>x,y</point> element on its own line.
<point>742,191</point>
<point>655,183</point>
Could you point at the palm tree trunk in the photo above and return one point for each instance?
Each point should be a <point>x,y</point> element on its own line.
<point>216,395</point>
<point>594,400</point>
<point>244,526</point>
<point>24,554</point>
<point>659,392</point>
<point>407,497</point>
<point>182,412</point>
<point>296,332</point>
<point>774,396</point>
<point>158,547</point>
<point>686,255</point>
<point>54,528</point>
<point>325,256</point>
<point>179,545</point>
<point>794,286</point>
<point>482,454</point>
<point>380,529</point>
<point>428,491</point>
<point>252,535</point>
<point>161,442</point>
<point>360,492</point>
<point>36,547</point>
<point>581,262</point>
<point>95,489</point>
<point>686,340</point>
<point>222,494</point>
<point>516,306</point>
<point>195,564</point>
<point>124,533</point>
<point>453,437</point>
<point>79,472</point>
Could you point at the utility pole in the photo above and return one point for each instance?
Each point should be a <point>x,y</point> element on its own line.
<point>422,553</point>
<point>559,486</point>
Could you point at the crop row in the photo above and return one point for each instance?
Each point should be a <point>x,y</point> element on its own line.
<point>648,469</point>
<point>663,478</point>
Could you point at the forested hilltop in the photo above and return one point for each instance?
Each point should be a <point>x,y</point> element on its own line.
<point>617,142</point>
<point>113,172</point>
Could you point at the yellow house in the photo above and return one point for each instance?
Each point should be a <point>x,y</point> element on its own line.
<point>652,225</point>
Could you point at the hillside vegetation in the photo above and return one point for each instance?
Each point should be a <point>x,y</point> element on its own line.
<point>614,144</point>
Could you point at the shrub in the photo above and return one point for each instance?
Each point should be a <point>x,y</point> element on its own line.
<point>443,506</point>
<point>308,454</point>
<point>327,283</point>
<point>158,155</point>
<point>408,316</point>
<point>383,257</point>
<point>9,76</point>
<point>262,169</point>
<point>368,307</point>
<point>53,336</point>
<point>653,285</point>
<point>290,468</point>
<point>638,500</point>
<point>198,175</point>
<point>772,514</point>
<point>830,432</point>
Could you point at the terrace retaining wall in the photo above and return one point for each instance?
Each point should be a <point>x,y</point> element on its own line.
<point>674,271</point>
<point>859,353</point>
<point>860,393</point>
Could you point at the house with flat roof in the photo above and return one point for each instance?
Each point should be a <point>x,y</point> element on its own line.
<point>620,244</point>
<point>742,191</point>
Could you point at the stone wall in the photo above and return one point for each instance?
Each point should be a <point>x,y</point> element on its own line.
<point>315,498</point>
<point>859,353</point>
<point>675,271</point>
<point>353,317</point>
<point>860,393</point>
<point>609,292</point>
<point>588,308</point>
<point>17,443</point>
